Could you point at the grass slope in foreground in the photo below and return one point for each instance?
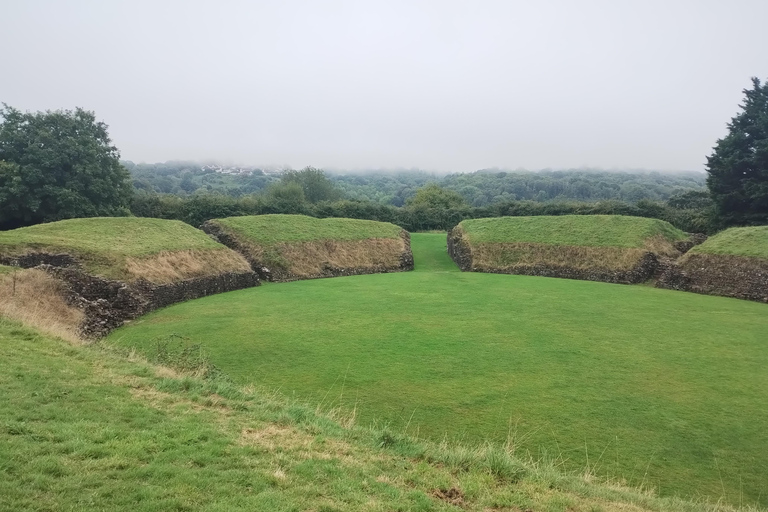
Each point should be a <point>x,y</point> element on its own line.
<point>84,429</point>
<point>661,388</point>
<point>733,263</point>
<point>289,247</point>
<point>610,248</point>
<point>127,248</point>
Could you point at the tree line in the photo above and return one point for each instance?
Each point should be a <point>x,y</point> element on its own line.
<point>480,188</point>
<point>62,164</point>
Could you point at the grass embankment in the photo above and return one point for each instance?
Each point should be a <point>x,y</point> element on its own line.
<point>661,388</point>
<point>83,428</point>
<point>127,248</point>
<point>609,242</point>
<point>302,246</point>
<point>733,263</point>
<point>750,242</point>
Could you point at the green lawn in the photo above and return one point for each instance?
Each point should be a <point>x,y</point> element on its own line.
<point>267,230</point>
<point>657,387</point>
<point>581,230</point>
<point>750,242</point>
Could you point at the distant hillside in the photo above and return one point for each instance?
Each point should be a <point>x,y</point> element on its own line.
<point>480,188</point>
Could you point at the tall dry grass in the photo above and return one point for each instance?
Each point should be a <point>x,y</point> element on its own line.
<point>504,256</point>
<point>36,298</point>
<point>524,254</point>
<point>170,266</point>
<point>309,258</point>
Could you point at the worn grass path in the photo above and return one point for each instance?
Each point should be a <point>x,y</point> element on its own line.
<point>660,388</point>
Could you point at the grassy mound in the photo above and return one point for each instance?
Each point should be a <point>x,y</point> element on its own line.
<point>289,247</point>
<point>609,248</point>
<point>82,428</point>
<point>658,388</point>
<point>751,242</point>
<point>733,263</point>
<point>126,248</point>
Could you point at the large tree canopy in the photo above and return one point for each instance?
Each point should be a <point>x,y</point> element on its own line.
<point>433,195</point>
<point>58,165</point>
<point>738,167</point>
<point>316,186</point>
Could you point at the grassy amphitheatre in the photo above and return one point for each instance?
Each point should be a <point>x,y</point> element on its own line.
<point>290,247</point>
<point>733,263</point>
<point>654,387</point>
<point>609,248</point>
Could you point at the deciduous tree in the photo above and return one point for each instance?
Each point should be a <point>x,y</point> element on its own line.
<point>56,165</point>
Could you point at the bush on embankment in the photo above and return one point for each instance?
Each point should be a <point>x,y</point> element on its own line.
<point>611,248</point>
<point>733,263</point>
<point>112,269</point>
<point>290,247</point>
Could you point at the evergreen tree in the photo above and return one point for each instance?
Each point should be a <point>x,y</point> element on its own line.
<point>738,167</point>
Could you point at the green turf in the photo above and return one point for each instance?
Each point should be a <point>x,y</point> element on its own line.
<point>84,428</point>
<point>751,242</point>
<point>267,230</point>
<point>127,236</point>
<point>657,387</point>
<point>581,230</point>
<point>430,253</point>
<point>5,269</point>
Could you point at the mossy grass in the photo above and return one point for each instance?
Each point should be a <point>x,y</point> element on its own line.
<point>5,269</point>
<point>103,244</point>
<point>664,389</point>
<point>94,428</point>
<point>751,242</point>
<point>269,230</point>
<point>571,230</point>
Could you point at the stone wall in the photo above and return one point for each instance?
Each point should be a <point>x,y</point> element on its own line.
<point>459,249</point>
<point>715,274</point>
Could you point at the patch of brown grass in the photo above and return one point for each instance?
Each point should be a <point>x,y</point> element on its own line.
<point>37,299</point>
<point>506,256</point>
<point>171,266</point>
<point>309,258</point>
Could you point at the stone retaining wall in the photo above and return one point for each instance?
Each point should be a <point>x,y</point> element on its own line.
<point>714,274</point>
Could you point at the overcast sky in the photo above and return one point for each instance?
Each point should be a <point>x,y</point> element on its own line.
<point>438,85</point>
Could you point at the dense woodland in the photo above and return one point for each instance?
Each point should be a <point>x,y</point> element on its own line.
<point>481,188</point>
<point>416,200</point>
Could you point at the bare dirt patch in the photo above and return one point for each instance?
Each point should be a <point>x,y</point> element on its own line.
<point>453,496</point>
